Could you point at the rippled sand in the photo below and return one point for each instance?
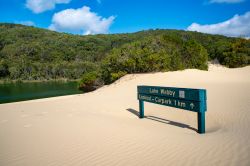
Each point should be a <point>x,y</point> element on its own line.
<point>102,127</point>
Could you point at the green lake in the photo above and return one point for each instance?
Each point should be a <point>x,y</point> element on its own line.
<point>13,92</point>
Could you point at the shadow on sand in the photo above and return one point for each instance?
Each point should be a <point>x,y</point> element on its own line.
<point>161,120</point>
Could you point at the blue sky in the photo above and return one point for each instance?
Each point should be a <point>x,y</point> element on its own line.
<point>227,17</point>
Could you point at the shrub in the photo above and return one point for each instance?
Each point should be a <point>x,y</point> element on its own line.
<point>195,55</point>
<point>237,55</point>
<point>89,82</point>
<point>233,59</point>
<point>116,76</point>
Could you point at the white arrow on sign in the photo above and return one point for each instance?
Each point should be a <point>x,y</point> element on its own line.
<point>192,105</point>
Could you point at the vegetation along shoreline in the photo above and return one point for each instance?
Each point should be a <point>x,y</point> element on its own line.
<point>34,54</point>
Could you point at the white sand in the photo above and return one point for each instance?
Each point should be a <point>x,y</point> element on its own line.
<point>100,128</point>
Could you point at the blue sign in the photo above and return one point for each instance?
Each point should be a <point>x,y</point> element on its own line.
<point>183,98</point>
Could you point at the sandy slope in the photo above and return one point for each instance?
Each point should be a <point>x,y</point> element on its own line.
<point>101,128</point>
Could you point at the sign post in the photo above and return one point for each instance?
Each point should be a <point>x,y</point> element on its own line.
<point>183,98</point>
<point>141,105</point>
<point>201,122</point>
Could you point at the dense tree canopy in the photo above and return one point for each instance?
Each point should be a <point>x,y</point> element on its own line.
<point>28,53</point>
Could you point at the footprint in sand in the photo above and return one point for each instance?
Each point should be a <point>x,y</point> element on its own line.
<point>70,115</point>
<point>3,121</point>
<point>42,113</point>
<point>24,115</point>
<point>27,125</point>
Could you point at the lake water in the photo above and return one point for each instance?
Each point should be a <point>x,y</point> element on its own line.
<point>13,92</point>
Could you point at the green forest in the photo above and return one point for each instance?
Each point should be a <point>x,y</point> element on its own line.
<point>34,54</point>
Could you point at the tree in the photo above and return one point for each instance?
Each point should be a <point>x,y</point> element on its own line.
<point>4,69</point>
<point>195,55</point>
<point>29,53</point>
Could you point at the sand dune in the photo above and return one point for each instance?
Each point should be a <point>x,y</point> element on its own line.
<point>102,127</point>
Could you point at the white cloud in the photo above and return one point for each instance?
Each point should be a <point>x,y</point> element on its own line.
<point>39,6</point>
<point>239,25</point>
<point>28,23</point>
<point>226,1</point>
<point>80,20</point>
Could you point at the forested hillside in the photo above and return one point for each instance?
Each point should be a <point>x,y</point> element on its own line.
<point>28,53</point>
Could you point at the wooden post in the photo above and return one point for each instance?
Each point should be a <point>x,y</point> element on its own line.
<point>201,122</point>
<point>141,107</point>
